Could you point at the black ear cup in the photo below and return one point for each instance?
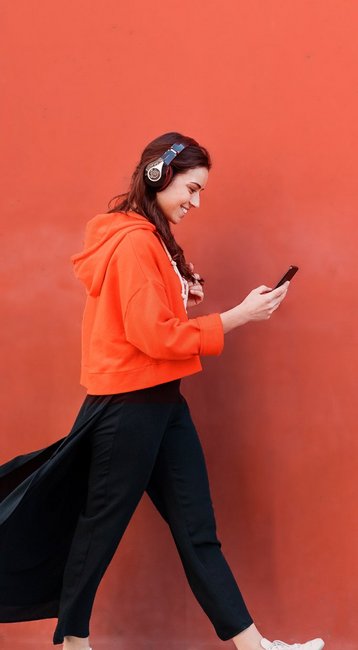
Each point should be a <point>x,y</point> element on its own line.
<point>157,175</point>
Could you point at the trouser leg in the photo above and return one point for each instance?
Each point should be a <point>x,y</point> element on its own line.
<point>124,445</point>
<point>179,488</point>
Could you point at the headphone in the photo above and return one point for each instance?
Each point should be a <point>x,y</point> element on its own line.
<point>159,173</point>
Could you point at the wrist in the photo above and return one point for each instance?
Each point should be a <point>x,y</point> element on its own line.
<point>234,318</point>
<point>241,314</point>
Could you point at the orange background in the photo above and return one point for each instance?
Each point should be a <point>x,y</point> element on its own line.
<point>270,87</point>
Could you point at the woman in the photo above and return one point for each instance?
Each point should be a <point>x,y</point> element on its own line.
<point>134,432</point>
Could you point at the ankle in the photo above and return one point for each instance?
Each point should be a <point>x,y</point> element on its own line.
<point>76,643</point>
<point>248,639</point>
<point>247,644</point>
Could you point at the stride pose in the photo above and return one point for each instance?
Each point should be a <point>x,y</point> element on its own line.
<point>65,508</point>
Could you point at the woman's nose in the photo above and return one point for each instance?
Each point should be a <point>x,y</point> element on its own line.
<point>195,200</point>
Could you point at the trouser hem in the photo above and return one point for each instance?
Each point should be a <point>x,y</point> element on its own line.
<point>227,636</point>
<point>59,636</point>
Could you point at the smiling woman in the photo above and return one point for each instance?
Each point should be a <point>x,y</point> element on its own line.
<point>134,431</point>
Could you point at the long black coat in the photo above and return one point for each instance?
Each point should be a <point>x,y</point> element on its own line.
<point>41,496</point>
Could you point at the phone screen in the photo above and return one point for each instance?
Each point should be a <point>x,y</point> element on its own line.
<point>288,276</point>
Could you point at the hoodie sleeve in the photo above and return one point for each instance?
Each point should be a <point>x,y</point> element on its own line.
<point>151,326</point>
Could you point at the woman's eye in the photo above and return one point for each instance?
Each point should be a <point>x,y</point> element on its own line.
<point>191,190</point>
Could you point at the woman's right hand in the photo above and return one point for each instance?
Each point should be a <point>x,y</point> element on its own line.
<point>259,304</point>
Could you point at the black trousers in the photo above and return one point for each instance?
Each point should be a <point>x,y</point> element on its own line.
<point>145,440</point>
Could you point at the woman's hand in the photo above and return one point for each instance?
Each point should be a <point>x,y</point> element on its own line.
<point>258,305</point>
<point>196,293</point>
<point>263,301</point>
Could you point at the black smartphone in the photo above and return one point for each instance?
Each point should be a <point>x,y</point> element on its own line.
<point>288,276</point>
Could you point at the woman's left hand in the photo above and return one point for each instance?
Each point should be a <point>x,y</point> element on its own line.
<point>196,293</point>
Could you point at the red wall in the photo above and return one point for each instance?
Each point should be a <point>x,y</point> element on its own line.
<point>270,87</point>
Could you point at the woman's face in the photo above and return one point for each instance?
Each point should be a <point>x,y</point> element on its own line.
<point>182,193</point>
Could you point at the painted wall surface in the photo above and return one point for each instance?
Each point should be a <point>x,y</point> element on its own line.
<point>270,87</point>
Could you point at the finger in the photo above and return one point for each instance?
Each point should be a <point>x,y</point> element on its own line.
<point>280,290</point>
<point>277,302</point>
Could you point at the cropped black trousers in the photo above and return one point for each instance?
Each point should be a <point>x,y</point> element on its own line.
<point>145,440</point>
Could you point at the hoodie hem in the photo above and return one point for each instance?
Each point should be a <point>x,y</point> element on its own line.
<point>109,383</point>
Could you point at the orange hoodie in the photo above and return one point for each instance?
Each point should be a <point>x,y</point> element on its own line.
<point>135,330</point>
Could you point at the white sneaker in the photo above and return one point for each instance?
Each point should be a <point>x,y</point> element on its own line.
<point>315,644</point>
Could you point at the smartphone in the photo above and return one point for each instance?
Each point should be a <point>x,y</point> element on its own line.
<point>288,276</point>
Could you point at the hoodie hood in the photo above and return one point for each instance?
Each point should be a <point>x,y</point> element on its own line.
<point>102,236</point>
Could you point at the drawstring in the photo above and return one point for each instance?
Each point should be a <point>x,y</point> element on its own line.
<point>184,283</point>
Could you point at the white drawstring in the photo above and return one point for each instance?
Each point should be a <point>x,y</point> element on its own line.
<point>184,283</point>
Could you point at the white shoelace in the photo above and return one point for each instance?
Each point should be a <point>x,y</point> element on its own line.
<point>281,644</point>
<point>277,644</point>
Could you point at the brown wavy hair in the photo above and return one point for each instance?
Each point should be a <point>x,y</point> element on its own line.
<point>141,198</point>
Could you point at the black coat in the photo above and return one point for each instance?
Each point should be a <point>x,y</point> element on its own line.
<point>41,496</point>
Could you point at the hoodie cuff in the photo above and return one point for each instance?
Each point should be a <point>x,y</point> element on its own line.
<point>212,334</point>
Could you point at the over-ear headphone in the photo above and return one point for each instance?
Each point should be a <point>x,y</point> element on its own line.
<point>159,173</point>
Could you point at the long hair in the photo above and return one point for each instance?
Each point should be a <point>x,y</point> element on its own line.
<point>141,198</point>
